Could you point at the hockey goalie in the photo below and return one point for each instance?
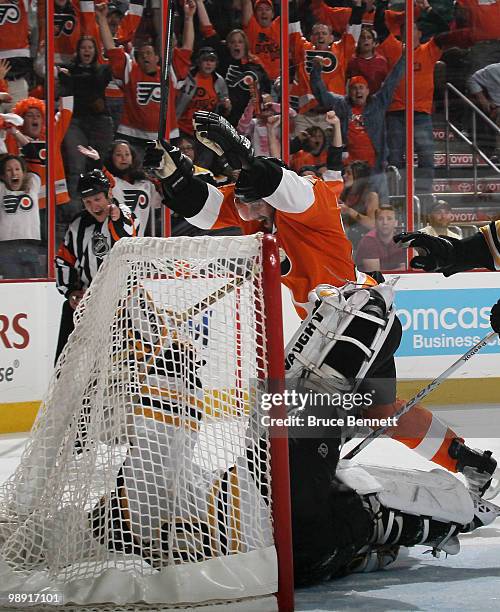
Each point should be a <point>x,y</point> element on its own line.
<point>352,334</point>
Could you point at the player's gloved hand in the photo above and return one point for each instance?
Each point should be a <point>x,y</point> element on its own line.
<point>166,162</point>
<point>435,254</point>
<point>219,135</point>
<point>495,317</point>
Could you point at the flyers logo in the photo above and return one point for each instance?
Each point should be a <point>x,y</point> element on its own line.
<point>358,120</point>
<point>235,77</point>
<point>330,61</point>
<point>9,13</point>
<point>64,24</point>
<point>148,92</point>
<point>12,203</point>
<point>134,198</point>
<point>35,152</point>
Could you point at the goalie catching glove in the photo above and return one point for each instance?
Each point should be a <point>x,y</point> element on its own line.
<point>166,162</point>
<point>219,136</point>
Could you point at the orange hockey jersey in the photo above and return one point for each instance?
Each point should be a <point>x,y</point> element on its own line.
<point>309,229</point>
<point>335,60</point>
<point>69,24</point>
<point>143,93</point>
<point>14,29</point>
<point>36,156</point>
<point>124,36</point>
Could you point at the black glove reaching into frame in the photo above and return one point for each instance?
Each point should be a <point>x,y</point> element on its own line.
<point>436,254</point>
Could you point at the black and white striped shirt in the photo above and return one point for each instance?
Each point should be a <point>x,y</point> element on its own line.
<point>85,245</point>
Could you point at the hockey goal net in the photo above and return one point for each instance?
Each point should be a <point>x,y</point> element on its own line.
<point>147,479</point>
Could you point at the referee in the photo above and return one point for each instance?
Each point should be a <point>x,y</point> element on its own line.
<point>88,239</point>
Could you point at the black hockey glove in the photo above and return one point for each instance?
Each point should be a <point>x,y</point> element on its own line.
<point>166,162</point>
<point>435,254</point>
<point>219,135</point>
<point>260,180</point>
<point>495,317</point>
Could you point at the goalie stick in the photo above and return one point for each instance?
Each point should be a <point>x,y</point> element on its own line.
<point>421,394</point>
<point>210,299</point>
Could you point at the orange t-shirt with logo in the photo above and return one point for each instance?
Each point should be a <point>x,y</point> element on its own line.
<point>359,144</point>
<point>204,99</point>
<point>265,43</point>
<point>69,27</point>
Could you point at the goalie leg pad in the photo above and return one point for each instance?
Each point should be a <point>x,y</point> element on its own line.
<point>437,494</point>
<point>342,336</point>
<point>411,507</point>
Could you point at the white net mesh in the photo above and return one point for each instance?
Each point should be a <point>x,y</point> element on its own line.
<point>145,479</point>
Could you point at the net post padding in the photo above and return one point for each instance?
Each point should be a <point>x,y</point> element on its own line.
<point>139,484</point>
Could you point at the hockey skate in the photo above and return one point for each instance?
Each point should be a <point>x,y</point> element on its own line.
<point>485,513</point>
<point>477,467</point>
<point>494,489</point>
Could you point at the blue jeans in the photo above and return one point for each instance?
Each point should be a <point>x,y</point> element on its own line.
<point>20,259</point>
<point>115,109</point>
<point>423,143</point>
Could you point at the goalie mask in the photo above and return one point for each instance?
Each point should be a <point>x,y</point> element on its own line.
<point>340,339</point>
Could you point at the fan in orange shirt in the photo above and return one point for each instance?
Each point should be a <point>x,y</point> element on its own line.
<point>334,56</point>
<point>309,148</point>
<point>30,140</point>
<point>425,57</point>
<point>263,32</point>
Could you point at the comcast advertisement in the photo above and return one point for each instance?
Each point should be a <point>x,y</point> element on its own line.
<point>445,321</point>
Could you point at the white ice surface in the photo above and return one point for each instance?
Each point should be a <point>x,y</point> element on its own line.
<point>469,581</point>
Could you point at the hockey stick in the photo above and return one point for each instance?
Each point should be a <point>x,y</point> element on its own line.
<point>210,299</point>
<point>165,71</point>
<point>421,394</point>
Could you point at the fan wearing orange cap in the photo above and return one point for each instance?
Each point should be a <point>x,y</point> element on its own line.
<point>263,31</point>
<point>362,116</point>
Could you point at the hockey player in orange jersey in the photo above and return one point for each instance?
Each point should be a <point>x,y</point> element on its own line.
<point>305,216</point>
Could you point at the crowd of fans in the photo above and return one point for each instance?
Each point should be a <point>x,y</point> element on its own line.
<point>345,55</point>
